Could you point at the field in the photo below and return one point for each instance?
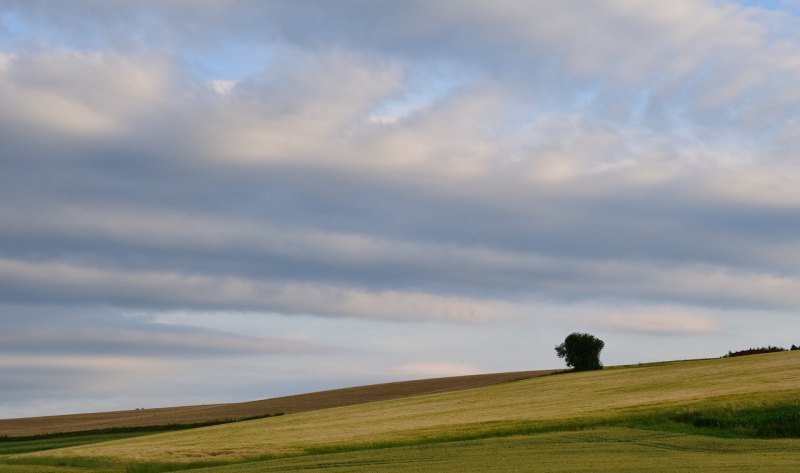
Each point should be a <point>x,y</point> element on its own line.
<point>739,414</point>
<point>242,410</point>
<point>611,450</point>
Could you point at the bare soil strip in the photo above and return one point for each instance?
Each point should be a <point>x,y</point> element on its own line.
<point>241,410</point>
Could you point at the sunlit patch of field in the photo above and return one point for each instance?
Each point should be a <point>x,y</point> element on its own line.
<point>548,404</point>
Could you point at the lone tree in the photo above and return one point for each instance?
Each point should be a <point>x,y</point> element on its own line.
<point>581,351</point>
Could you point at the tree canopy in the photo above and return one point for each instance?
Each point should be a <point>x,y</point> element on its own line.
<point>581,351</point>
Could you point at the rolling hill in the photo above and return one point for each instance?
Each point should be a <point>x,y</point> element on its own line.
<point>738,414</point>
<point>241,410</point>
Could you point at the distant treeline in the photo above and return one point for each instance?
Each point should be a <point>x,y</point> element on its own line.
<point>756,351</point>
<point>133,429</point>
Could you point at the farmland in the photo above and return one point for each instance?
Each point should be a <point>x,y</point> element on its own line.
<point>242,410</point>
<point>610,450</point>
<point>740,414</point>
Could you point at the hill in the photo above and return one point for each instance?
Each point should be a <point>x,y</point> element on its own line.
<point>285,405</point>
<point>735,414</point>
<point>576,398</point>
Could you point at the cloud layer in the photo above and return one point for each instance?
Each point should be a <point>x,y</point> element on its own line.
<point>622,165</point>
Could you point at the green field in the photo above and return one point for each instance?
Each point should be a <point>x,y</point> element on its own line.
<point>737,414</point>
<point>609,449</point>
<point>9,447</point>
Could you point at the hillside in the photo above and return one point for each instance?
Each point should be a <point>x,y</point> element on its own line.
<point>656,397</point>
<point>610,450</point>
<point>286,405</point>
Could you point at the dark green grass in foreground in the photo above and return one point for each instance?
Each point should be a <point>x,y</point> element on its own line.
<point>598,450</point>
<point>775,421</point>
<point>609,449</point>
<point>726,419</point>
<point>59,465</point>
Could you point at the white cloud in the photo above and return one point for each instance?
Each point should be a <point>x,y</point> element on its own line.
<point>81,94</point>
<point>662,322</point>
<point>438,369</point>
<point>297,110</point>
<point>5,61</point>
<point>776,186</point>
<point>223,87</point>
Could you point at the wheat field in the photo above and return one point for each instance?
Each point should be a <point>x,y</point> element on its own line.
<point>549,402</point>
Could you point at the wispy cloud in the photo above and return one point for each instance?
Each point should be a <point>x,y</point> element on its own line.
<point>662,322</point>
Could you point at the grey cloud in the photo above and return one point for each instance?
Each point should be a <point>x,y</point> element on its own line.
<point>151,342</point>
<point>286,181</point>
<point>692,57</point>
<point>265,225</point>
<point>49,330</point>
<point>21,382</point>
<point>511,167</point>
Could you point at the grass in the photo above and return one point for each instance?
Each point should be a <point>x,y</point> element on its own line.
<point>600,450</point>
<point>668,412</point>
<point>596,449</point>
<point>60,465</point>
<point>9,447</point>
<point>773,421</point>
<point>42,442</point>
<point>138,429</point>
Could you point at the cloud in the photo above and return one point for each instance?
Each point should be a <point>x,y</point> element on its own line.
<point>80,94</point>
<point>165,258</point>
<point>149,342</point>
<point>95,333</point>
<point>662,322</point>
<point>682,50</point>
<point>52,356</point>
<point>439,369</point>
<point>297,112</point>
<point>422,162</point>
<point>71,284</point>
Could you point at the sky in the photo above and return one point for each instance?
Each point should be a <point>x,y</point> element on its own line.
<point>225,200</point>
